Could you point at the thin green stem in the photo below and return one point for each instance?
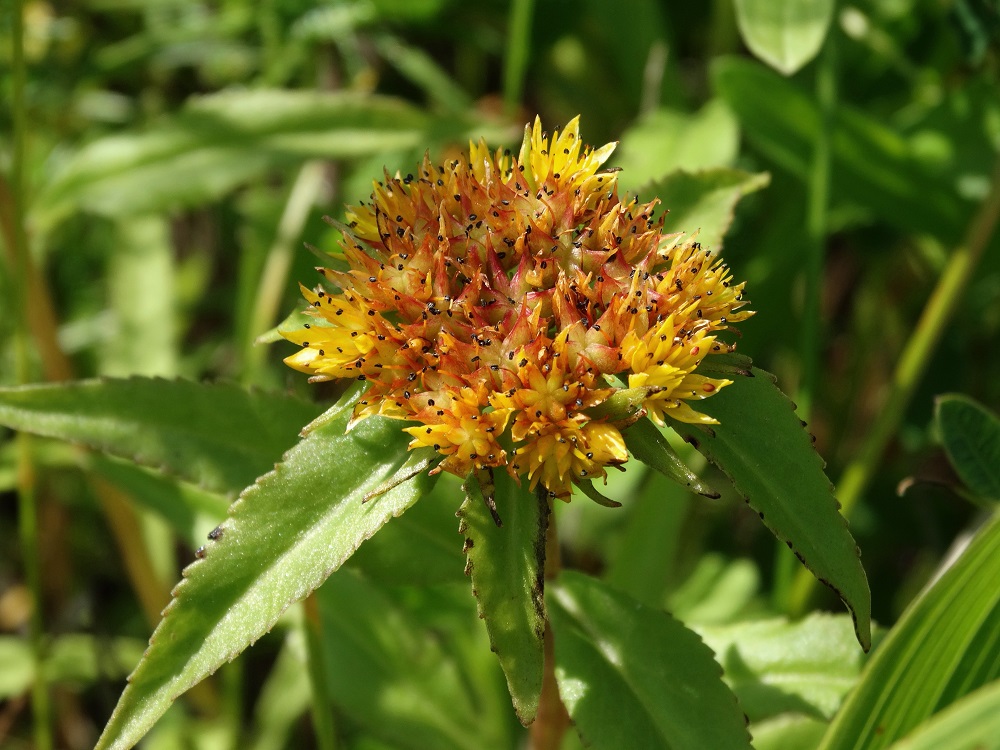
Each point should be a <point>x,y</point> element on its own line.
<point>516,59</point>
<point>914,360</point>
<point>27,498</point>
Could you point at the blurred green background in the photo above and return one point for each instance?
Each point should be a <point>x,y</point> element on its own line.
<point>179,153</point>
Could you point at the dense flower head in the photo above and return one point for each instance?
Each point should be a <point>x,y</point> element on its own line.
<point>494,303</point>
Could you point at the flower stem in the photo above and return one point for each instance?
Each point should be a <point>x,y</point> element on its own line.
<point>552,719</point>
<point>914,360</point>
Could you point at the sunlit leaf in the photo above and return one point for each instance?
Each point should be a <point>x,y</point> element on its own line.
<point>215,434</point>
<point>775,666</point>
<point>946,645</point>
<point>665,140</point>
<point>786,34</point>
<point>283,537</point>
<point>719,590</point>
<point>143,300</point>
<point>761,446</point>
<point>704,202</point>
<point>506,565</point>
<point>632,676</point>
<point>284,696</point>
<point>788,732</point>
<point>971,437</point>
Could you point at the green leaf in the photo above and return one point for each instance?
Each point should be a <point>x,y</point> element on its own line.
<point>648,444</point>
<point>666,140</point>
<point>945,646</point>
<point>788,732</point>
<point>200,432</point>
<point>786,34</point>
<point>761,446</point>
<point>971,436</point>
<point>220,140</point>
<point>375,649</point>
<point>775,666</point>
<point>704,202</point>
<point>284,536</point>
<point>632,676</point>
<point>970,723</point>
<point>874,167</point>
<point>506,564</point>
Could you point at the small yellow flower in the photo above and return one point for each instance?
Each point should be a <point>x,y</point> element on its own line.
<point>494,302</point>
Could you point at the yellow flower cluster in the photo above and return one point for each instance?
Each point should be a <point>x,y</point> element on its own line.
<point>495,302</point>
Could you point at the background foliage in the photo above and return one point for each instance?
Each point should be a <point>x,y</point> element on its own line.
<point>178,155</point>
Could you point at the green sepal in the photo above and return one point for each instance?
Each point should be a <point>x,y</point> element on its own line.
<point>648,444</point>
<point>587,488</point>
<point>624,407</point>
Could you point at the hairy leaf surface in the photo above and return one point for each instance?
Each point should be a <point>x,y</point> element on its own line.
<point>284,536</point>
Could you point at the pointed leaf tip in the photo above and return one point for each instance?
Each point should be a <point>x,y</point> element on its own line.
<point>284,536</point>
<point>760,445</point>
